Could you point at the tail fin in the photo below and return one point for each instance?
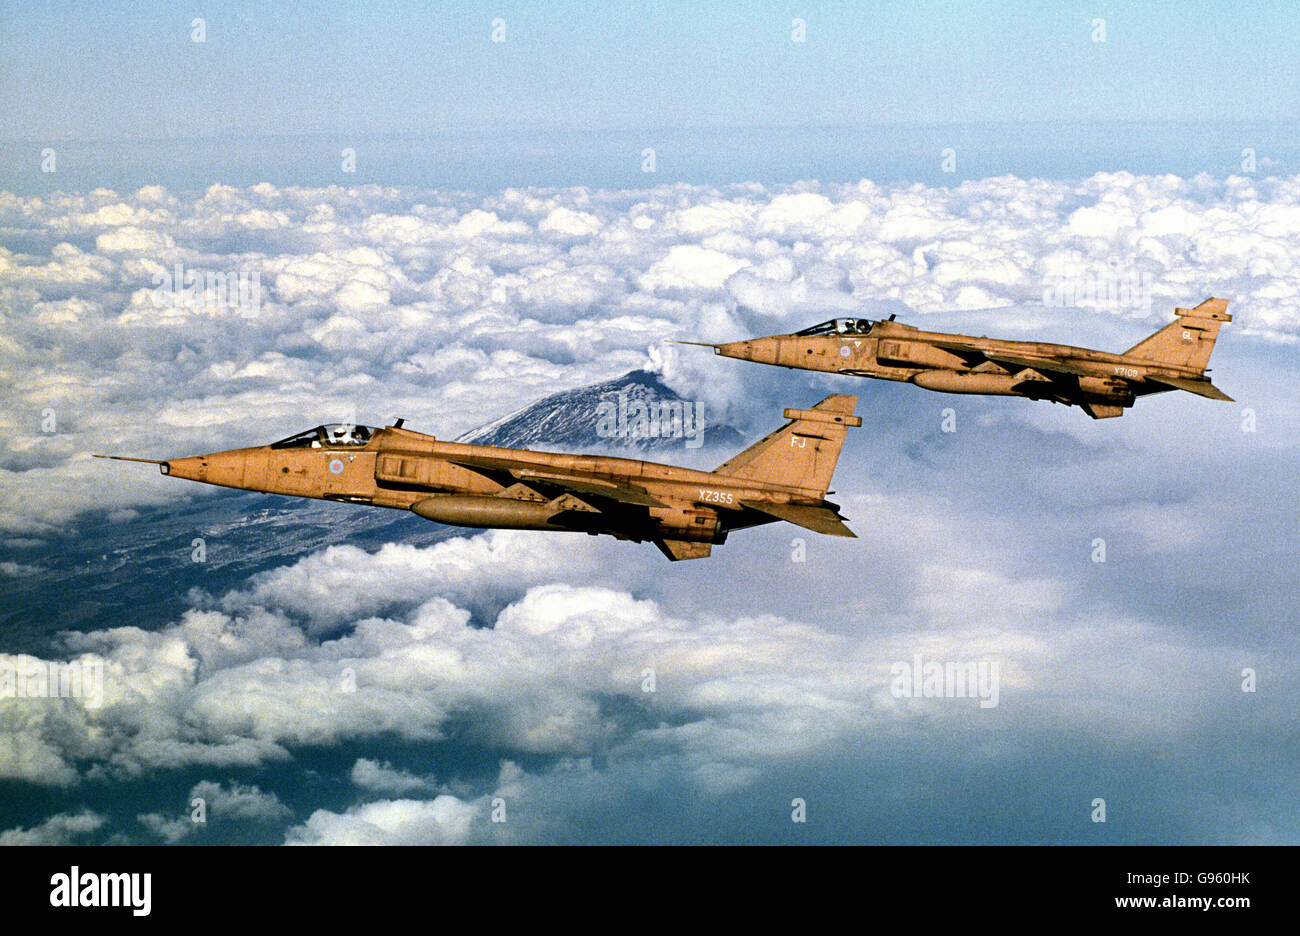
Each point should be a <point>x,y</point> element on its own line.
<point>803,452</point>
<point>1188,341</point>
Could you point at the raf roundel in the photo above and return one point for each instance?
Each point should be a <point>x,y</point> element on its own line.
<point>336,466</point>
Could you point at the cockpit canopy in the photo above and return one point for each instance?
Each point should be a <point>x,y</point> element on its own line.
<point>327,436</point>
<point>840,326</point>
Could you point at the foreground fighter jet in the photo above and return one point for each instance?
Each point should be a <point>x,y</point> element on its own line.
<point>1103,384</point>
<point>682,511</point>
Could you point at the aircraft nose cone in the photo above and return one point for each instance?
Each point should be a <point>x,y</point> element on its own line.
<point>740,350</point>
<point>761,350</point>
<point>744,350</point>
<point>224,468</point>
<point>192,469</point>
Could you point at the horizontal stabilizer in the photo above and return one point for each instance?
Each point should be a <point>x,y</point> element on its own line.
<point>818,519</point>
<point>683,549</point>
<point>1199,387</point>
<point>1101,410</point>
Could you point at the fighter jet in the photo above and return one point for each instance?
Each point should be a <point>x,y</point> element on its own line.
<point>1102,384</point>
<point>682,511</point>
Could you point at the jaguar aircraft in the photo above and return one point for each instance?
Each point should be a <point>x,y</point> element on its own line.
<point>684,512</point>
<point>1102,384</point>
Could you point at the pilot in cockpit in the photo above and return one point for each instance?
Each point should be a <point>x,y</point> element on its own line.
<point>853,326</point>
<point>346,434</point>
<point>331,435</point>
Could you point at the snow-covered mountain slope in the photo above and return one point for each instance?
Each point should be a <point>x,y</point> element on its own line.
<point>635,411</point>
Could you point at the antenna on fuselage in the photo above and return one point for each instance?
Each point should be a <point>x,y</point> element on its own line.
<point>398,424</point>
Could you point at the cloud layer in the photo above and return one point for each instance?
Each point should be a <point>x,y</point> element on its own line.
<point>602,686</point>
<point>373,302</point>
<point>584,689</point>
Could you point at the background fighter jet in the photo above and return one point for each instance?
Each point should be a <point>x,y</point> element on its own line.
<point>1103,384</point>
<point>683,511</point>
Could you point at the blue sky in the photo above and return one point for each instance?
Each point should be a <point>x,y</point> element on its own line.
<point>577,92</point>
<point>72,72</point>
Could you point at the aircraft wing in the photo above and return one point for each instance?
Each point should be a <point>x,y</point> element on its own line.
<point>1199,387</point>
<point>626,493</point>
<point>485,463</point>
<point>818,519</point>
<point>1046,364</point>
